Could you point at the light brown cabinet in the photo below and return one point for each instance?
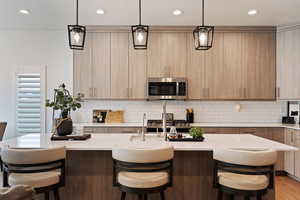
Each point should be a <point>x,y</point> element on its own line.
<point>288,67</point>
<point>195,71</point>
<point>239,66</point>
<point>167,54</point>
<point>101,65</point>
<point>258,63</point>
<point>297,153</point>
<point>230,75</point>
<point>289,157</point>
<point>119,66</point>
<point>83,69</point>
<point>137,72</point>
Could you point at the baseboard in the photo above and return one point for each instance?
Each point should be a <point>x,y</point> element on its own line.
<point>281,173</point>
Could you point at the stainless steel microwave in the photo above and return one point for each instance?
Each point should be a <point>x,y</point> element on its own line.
<point>167,88</point>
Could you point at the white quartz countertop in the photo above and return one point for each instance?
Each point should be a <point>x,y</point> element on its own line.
<point>216,125</point>
<point>109,124</point>
<point>106,142</point>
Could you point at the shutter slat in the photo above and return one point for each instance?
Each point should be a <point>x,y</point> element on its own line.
<point>28,103</point>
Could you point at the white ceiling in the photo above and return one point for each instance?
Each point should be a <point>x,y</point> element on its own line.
<point>56,14</point>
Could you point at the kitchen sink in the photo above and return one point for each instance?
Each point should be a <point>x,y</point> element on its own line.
<point>148,138</point>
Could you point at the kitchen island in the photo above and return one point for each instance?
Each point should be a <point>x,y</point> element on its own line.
<point>89,163</point>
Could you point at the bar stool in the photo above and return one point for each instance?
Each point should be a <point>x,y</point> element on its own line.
<point>2,131</point>
<point>242,172</point>
<point>143,170</point>
<point>42,169</point>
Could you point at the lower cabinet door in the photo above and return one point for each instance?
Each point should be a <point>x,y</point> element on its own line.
<point>297,154</point>
<point>289,157</point>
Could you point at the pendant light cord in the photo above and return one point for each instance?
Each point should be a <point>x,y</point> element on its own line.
<point>140,12</point>
<point>76,12</point>
<point>202,12</point>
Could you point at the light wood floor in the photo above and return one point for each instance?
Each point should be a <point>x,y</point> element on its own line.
<point>287,188</point>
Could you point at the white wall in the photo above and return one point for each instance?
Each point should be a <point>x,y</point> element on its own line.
<point>31,48</point>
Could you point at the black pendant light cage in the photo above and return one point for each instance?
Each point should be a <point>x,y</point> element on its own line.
<point>76,34</point>
<point>140,33</point>
<point>203,35</point>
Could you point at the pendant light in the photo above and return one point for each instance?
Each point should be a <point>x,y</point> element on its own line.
<point>76,34</point>
<point>140,33</point>
<point>203,35</point>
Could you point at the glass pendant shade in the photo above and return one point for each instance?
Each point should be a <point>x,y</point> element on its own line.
<point>203,37</point>
<point>140,36</point>
<point>76,36</point>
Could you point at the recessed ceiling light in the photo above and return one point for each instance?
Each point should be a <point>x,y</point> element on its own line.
<point>252,12</point>
<point>100,12</point>
<point>177,12</point>
<point>24,12</point>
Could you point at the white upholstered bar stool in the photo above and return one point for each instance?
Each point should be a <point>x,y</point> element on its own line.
<point>42,169</point>
<point>244,172</point>
<point>143,170</point>
<point>2,131</point>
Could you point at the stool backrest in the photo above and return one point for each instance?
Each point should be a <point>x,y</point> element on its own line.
<point>143,155</point>
<point>147,160</point>
<point>33,161</point>
<point>2,129</point>
<point>32,156</point>
<point>248,157</point>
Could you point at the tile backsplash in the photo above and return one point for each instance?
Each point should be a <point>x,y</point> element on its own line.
<point>205,111</point>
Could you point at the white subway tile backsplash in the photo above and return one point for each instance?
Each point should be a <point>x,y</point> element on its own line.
<point>221,112</point>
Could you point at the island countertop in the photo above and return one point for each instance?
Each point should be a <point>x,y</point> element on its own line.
<point>106,142</point>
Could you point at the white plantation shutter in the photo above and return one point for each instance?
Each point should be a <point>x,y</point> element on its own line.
<point>29,103</point>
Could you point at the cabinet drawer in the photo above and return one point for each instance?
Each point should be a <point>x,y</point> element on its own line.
<point>100,130</point>
<point>88,130</point>
<point>123,129</point>
<point>248,131</point>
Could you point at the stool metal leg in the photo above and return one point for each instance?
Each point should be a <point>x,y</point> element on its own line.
<point>123,196</point>
<point>56,194</point>
<point>145,196</point>
<point>162,195</point>
<point>47,196</point>
<point>258,197</point>
<point>140,197</point>
<point>220,195</point>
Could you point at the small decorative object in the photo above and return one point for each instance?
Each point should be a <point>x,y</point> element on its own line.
<point>190,115</point>
<point>66,103</point>
<point>173,131</point>
<point>238,107</point>
<point>196,133</point>
<point>99,116</point>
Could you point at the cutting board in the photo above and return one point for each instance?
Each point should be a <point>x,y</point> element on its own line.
<point>115,117</point>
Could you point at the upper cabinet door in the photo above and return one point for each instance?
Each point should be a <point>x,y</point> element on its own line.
<point>119,66</point>
<point>83,69</point>
<point>229,74</point>
<point>101,65</point>
<point>195,71</point>
<point>288,64</point>
<point>215,71</point>
<point>167,54</point>
<point>259,63</point>
<point>137,72</point>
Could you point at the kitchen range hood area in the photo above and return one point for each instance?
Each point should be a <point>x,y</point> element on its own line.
<point>150,100</point>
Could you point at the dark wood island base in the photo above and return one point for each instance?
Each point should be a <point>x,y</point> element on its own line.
<point>89,177</point>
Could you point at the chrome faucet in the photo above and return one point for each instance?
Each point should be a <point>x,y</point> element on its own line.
<point>164,120</point>
<point>143,128</point>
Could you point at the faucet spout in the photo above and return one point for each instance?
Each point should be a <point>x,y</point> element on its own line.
<point>164,120</point>
<point>143,127</point>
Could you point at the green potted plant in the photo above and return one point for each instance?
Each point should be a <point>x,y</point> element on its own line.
<point>65,103</point>
<point>196,133</point>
